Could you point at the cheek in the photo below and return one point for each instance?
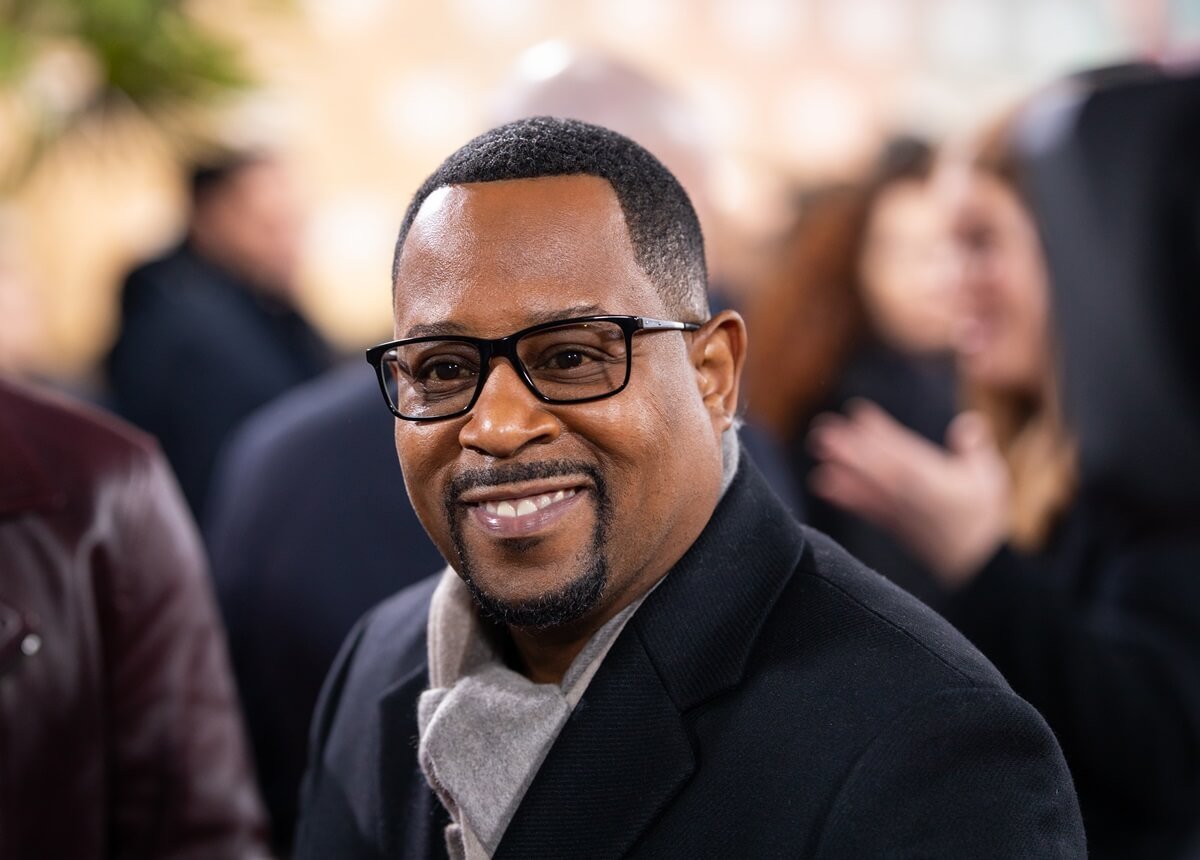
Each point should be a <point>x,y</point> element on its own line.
<point>1024,296</point>
<point>653,462</point>
<point>422,451</point>
<point>671,434</point>
<point>645,428</point>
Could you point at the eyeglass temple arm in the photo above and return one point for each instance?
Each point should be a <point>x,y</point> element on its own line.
<point>648,324</point>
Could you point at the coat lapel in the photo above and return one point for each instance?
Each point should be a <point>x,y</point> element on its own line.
<point>701,624</point>
<point>626,751</point>
<point>619,760</point>
<point>411,819</point>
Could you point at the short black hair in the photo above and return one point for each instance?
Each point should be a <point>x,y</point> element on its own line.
<point>663,227</point>
<point>210,176</point>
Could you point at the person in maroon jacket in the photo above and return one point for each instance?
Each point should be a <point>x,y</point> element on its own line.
<point>120,734</point>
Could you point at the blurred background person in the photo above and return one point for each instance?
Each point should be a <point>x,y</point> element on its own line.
<point>309,527</point>
<point>211,331</point>
<point>859,306</point>
<point>1082,593</point>
<point>121,731</point>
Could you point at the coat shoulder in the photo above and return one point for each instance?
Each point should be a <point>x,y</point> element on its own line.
<point>385,647</point>
<point>389,642</point>
<point>832,589</point>
<point>59,445</point>
<point>375,680</point>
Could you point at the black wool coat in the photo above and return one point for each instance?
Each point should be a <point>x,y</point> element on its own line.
<point>1101,632</point>
<point>772,697</point>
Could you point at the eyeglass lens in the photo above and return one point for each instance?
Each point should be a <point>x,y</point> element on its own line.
<point>565,363</point>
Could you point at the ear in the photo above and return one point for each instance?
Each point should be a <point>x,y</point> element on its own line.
<point>718,353</point>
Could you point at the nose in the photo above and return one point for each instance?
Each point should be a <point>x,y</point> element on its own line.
<point>506,417</point>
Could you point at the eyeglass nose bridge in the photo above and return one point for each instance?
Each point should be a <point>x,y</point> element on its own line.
<point>506,348</point>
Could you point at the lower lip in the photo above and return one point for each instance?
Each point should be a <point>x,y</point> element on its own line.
<point>526,524</point>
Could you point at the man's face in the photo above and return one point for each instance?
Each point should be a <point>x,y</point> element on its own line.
<point>638,473</point>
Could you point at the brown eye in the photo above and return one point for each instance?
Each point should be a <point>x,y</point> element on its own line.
<point>566,360</point>
<point>444,371</point>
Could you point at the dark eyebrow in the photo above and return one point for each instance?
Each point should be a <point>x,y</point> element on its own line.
<point>565,314</point>
<point>453,328</point>
<point>434,329</point>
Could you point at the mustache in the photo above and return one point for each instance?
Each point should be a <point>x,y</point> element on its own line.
<point>510,473</point>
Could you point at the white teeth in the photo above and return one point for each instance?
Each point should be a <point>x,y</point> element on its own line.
<point>526,506</point>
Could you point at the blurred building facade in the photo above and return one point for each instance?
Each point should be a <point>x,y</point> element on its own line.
<point>367,95</point>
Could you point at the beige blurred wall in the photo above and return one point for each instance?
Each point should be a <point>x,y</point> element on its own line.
<point>367,96</point>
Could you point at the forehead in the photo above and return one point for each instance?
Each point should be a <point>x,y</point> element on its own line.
<point>491,257</point>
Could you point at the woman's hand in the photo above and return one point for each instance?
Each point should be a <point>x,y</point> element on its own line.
<point>950,505</point>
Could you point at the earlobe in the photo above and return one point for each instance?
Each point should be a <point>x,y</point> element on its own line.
<point>718,355</point>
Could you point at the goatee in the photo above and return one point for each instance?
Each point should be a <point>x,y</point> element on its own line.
<point>552,609</point>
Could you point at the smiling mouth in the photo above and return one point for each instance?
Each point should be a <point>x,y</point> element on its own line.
<point>525,514</point>
<point>526,505</point>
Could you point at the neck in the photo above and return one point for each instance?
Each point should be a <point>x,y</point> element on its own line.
<point>543,661</point>
<point>546,655</point>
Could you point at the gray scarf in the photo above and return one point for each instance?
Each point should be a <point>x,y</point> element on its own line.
<point>485,729</point>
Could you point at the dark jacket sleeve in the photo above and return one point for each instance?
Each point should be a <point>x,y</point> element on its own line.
<point>327,826</point>
<point>971,772</point>
<point>1115,669</point>
<point>182,783</point>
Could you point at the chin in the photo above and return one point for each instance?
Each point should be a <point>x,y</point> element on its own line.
<point>552,607</point>
<point>1002,379</point>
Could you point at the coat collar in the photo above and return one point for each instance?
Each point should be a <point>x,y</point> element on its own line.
<point>25,479</point>
<point>700,625</point>
<point>622,756</point>
<point>411,819</point>
<point>625,751</point>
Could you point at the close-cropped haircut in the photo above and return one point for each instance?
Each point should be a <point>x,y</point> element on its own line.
<point>662,224</point>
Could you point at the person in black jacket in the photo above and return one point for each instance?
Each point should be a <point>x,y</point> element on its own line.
<point>1067,524</point>
<point>211,331</point>
<point>310,527</point>
<point>635,649</point>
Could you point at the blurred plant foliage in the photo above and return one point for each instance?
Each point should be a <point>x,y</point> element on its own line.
<point>64,63</point>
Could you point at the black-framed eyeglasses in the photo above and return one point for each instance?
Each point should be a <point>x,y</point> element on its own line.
<point>566,361</point>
